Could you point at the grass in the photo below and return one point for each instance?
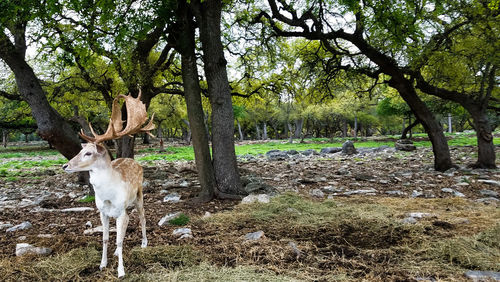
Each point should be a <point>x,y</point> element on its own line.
<point>87,199</point>
<point>353,239</point>
<point>180,220</point>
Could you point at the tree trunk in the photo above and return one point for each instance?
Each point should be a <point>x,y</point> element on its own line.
<point>239,130</point>
<point>5,137</point>
<point>290,140</point>
<point>208,14</point>
<point>485,147</point>
<point>344,127</point>
<point>408,128</point>
<point>192,95</point>
<point>257,129</point>
<point>125,147</point>
<point>146,139</point>
<point>187,133</point>
<point>264,131</point>
<point>442,159</point>
<point>51,126</point>
<point>299,124</point>
<point>355,126</point>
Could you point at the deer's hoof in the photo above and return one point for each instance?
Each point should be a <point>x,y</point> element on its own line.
<point>144,243</point>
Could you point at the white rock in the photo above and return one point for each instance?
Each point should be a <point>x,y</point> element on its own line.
<point>24,249</point>
<point>186,236</point>
<point>184,184</point>
<point>254,235</point>
<point>207,214</point>
<point>88,224</point>
<point>252,198</point>
<point>409,220</point>
<point>22,226</point>
<point>48,236</point>
<point>164,220</point>
<point>97,229</point>
<point>483,275</point>
<point>22,238</point>
<point>361,191</point>
<point>453,191</point>
<point>317,193</point>
<point>420,214</point>
<point>181,231</point>
<point>489,193</point>
<point>4,225</point>
<point>172,198</point>
<point>78,209</point>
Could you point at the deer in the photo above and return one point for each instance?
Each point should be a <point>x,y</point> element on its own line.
<point>117,184</point>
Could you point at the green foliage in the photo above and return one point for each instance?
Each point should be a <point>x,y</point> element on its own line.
<point>87,199</point>
<point>180,220</point>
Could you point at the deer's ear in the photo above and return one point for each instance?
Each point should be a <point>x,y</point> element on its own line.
<point>101,150</point>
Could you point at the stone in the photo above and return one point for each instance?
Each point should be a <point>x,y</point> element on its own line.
<point>184,184</point>
<point>88,224</point>
<point>453,191</point>
<point>360,191</point>
<point>5,225</point>
<point>363,177</point>
<point>416,194</point>
<point>395,193</point>
<point>317,193</point>
<point>488,201</point>
<point>490,182</point>
<point>348,148</point>
<point>309,152</point>
<point>27,249</point>
<point>477,275</point>
<point>404,145</point>
<point>98,229</point>
<point>259,198</point>
<point>78,209</point>
<point>330,150</point>
<point>164,220</point>
<point>179,232</point>
<point>292,152</point>
<point>420,214</point>
<point>45,236</point>
<point>254,235</point>
<point>276,155</point>
<point>186,236</point>
<point>331,189</point>
<point>409,220</point>
<point>22,226</point>
<point>172,198</point>
<point>489,193</point>
<point>207,214</point>
<point>295,250</point>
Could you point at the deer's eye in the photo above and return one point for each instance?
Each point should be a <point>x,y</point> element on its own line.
<point>88,154</point>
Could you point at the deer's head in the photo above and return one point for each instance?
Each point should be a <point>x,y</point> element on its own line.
<point>93,151</point>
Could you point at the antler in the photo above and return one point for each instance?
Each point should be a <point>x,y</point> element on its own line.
<point>136,117</point>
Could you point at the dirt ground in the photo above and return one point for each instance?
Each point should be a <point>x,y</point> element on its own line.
<point>404,172</point>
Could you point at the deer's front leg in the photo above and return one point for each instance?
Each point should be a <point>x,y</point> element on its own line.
<point>121,227</point>
<point>105,239</point>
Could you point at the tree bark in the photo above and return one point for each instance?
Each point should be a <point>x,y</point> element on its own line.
<point>5,139</point>
<point>485,147</point>
<point>51,126</point>
<point>239,130</point>
<point>192,95</point>
<point>264,131</point>
<point>408,129</point>
<point>299,124</point>
<point>208,15</point>
<point>355,126</point>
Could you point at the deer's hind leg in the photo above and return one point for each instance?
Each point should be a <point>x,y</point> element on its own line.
<point>142,218</point>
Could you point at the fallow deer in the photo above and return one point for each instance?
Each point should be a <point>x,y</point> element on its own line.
<point>118,183</point>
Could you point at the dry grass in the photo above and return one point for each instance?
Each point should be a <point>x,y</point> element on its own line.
<point>356,238</point>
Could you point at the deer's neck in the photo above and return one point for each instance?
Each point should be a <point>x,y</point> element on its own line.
<point>103,175</point>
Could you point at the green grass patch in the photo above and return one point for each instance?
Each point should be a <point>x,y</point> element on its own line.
<point>87,199</point>
<point>180,220</point>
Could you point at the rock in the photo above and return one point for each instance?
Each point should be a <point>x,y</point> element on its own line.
<point>184,184</point>
<point>420,214</point>
<point>295,250</point>
<point>172,198</point>
<point>98,229</point>
<point>477,275</point>
<point>88,224</point>
<point>5,225</point>
<point>45,236</point>
<point>22,238</point>
<point>145,184</point>
<point>164,220</point>
<point>292,152</point>
<point>259,198</point>
<point>22,226</point>
<point>276,155</point>
<point>78,209</point>
<point>453,191</point>
<point>186,236</point>
<point>361,191</point>
<point>348,148</point>
<point>254,235</point>
<point>331,189</point>
<point>25,249</point>
<point>317,193</point>
<point>363,177</point>
<point>416,194</point>
<point>207,214</point>
<point>330,150</point>
<point>409,220</point>
<point>404,145</point>
<point>395,193</point>
<point>179,232</point>
<point>256,186</point>
<point>490,182</point>
<point>309,152</point>
<point>484,192</point>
